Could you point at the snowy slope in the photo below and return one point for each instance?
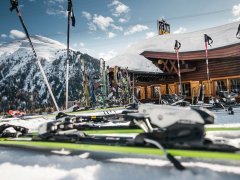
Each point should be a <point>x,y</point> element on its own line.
<point>222,36</point>
<point>45,48</point>
<point>20,77</point>
<point>134,62</point>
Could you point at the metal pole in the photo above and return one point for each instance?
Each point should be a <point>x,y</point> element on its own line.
<point>103,73</point>
<point>67,68</point>
<point>179,73</point>
<point>133,89</point>
<point>208,78</point>
<point>38,61</point>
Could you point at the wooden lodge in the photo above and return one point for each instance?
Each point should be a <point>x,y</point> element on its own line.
<point>223,63</point>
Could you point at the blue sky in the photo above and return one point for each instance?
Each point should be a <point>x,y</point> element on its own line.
<point>105,28</point>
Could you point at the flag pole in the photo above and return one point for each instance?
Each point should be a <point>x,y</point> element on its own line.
<point>177,47</point>
<point>14,4</point>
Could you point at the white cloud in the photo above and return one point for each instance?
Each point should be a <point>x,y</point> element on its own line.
<point>87,15</point>
<point>56,1</point>
<point>32,0</point>
<point>4,36</point>
<point>122,20</point>
<point>135,29</point>
<point>16,34</point>
<point>108,55</point>
<point>111,35</point>
<point>55,7</point>
<point>150,34</point>
<point>180,30</point>
<point>91,26</point>
<point>236,10</point>
<point>120,28</point>
<point>81,44</point>
<point>236,19</point>
<point>81,47</point>
<point>57,11</point>
<point>119,8</point>
<point>102,22</point>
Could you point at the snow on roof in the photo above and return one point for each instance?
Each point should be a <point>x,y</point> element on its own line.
<point>222,36</point>
<point>134,62</point>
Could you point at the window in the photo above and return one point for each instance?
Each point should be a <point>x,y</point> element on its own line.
<point>220,85</point>
<point>186,88</point>
<point>235,85</point>
<point>155,91</point>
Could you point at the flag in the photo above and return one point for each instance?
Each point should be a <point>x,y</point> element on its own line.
<point>14,4</point>
<point>238,32</point>
<point>70,9</point>
<point>177,45</point>
<point>208,39</point>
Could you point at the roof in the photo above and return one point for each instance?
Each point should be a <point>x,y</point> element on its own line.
<point>134,62</point>
<point>224,35</point>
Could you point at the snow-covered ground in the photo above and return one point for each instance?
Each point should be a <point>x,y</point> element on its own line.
<point>19,164</point>
<point>24,165</point>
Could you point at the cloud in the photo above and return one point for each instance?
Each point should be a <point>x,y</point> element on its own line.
<point>16,34</point>
<point>4,36</point>
<point>150,34</point>
<point>122,20</point>
<point>81,44</point>
<point>92,26</point>
<point>81,47</point>
<point>56,1</point>
<point>236,10</point>
<point>120,28</point>
<point>59,10</point>
<point>55,7</point>
<point>135,29</point>
<point>102,22</point>
<point>111,35</point>
<point>108,55</point>
<point>118,8</point>
<point>32,0</point>
<point>87,15</point>
<point>180,30</point>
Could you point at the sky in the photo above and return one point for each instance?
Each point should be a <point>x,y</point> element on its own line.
<point>106,28</point>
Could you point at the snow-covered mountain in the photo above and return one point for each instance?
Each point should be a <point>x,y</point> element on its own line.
<point>21,82</point>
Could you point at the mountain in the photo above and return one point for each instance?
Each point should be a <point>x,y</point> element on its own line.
<point>21,83</point>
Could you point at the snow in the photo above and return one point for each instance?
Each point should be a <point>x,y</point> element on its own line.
<point>23,165</point>
<point>45,48</point>
<point>133,62</point>
<point>224,35</point>
<point>194,41</point>
<point>34,165</point>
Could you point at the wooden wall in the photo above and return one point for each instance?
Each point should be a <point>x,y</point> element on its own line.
<point>217,68</point>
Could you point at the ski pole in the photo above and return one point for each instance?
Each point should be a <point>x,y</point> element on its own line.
<point>208,41</point>
<point>177,47</point>
<point>170,157</point>
<point>70,16</point>
<point>14,4</point>
<point>238,32</point>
